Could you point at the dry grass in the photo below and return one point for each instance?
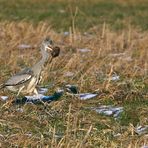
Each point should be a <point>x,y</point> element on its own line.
<point>66,123</point>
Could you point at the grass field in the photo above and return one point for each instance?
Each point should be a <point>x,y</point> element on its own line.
<point>85,13</point>
<point>116,34</point>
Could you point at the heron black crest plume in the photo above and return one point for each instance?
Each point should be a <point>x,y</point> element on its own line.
<point>47,39</point>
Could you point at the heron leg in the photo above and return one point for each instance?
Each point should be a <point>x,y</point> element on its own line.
<point>35,91</point>
<point>32,85</point>
<point>20,90</point>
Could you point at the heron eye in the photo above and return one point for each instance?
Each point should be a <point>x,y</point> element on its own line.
<point>50,42</point>
<point>47,39</point>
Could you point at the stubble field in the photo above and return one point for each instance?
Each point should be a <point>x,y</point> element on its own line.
<point>90,57</point>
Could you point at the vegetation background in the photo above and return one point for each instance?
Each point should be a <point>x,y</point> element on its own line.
<point>115,31</point>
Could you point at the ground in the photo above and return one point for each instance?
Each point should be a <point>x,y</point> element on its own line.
<point>115,35</point>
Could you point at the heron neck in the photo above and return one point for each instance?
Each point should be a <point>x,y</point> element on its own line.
<point>39,65</point>
<point>45,56</point>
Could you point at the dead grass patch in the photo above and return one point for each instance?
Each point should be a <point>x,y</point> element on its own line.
<point>66,123</point>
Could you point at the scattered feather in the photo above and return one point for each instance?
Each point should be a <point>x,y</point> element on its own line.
<point>86,96</point>
<point>115,78</point>
<point>24,46</point>
<point>142,130</point>
<point>117,135</point>
<point>66,33</point>
<point>42,90</point>
<point>4,98</point>
<point>39,98</point>
<point>20,110</point>
<point>117,54</point>
<point>72,89</point>
<point>84,50</point>
<point>109,110</point>
<point>146,146</point>
<point>69,74</point>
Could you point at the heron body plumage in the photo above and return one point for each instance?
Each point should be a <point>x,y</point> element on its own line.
<point>27,80</point>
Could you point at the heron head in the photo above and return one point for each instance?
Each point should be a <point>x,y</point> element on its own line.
<point>48,44</point>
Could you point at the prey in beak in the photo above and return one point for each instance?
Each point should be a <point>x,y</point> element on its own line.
<point>55,52</point>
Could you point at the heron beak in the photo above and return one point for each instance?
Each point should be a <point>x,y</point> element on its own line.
<point>49,48</point>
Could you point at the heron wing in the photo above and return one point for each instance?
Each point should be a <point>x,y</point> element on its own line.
<point>26,71</point>
<point>21,77</point>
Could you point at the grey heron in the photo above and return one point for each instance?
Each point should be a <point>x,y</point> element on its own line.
<point>26,81</point>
